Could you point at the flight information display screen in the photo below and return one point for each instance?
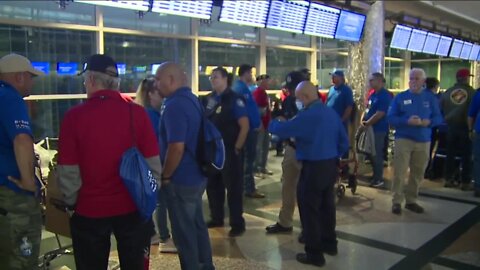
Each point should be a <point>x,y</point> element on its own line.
<point>417,40</point>
<point>474,53</point>
<point>133,5</point>
<point>444,46</point>
<point>350,26</point>
<point>401,37</point>
<point>287,15</point>
<point>67,68</point>
<point>43,66</point>
<point>467,48</point>
<point>456,48</point>
<point>321,21</point>
<point>251,13</point>
<point>194,9</point>
<point>431,43</point>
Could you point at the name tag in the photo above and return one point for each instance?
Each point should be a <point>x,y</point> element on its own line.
<point>407,102</point>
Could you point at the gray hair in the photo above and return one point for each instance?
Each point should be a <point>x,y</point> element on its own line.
<point>418,70</point>
<point>105,81</point>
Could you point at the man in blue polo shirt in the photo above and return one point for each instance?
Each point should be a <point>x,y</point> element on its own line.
<point>181,177</point>
<point>340,97</point>
<point>474,131</point>
<point>20,216</point>
<point>241,87</point>
<point>320,140</point>
<point>375,116</point>
<point>412,113</point>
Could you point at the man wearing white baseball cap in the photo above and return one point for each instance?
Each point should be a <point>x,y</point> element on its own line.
<point>20,216</point>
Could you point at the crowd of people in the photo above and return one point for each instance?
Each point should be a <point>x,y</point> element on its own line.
<point>164,123</point>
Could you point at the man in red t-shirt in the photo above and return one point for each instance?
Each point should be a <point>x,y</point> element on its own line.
<point>93,137</point>
<point>263,142</point>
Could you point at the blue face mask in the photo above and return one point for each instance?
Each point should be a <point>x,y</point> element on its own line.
<point>299,104</point>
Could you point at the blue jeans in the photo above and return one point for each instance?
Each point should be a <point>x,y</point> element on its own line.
<point>190,233</point>
<point>377,160</point>
<point>263,142</point>
<point>250,153</point>
<point>161,214</point>
<point>476,160</point>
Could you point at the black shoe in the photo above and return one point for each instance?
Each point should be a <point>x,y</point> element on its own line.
<point>396,209</point>
<point>277,228</point>
<point>330,251</point>
<point>301,238</point>
<point>303,258</point>
<point>234,232</point>
<point>414,208</point>
<point>214,224</point>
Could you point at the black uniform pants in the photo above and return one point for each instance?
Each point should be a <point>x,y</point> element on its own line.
<point>316,204</point>
<point>459,144</point>
<point>231,179</point>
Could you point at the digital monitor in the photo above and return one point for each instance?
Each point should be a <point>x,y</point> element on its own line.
<point>287,15</point>
<point>251,13</point>
<point>43,66</point>
<point>474,53</point>
<point>141,5</point>
<point>431,43</point>
<point>154,68</point>
<point>122,68</point>
<point>401,37</point>
<point>417,40</point>
<point>139,69</point>
<point>444,46</point>
<point>350,26</point>
<point>321,21</point>
<point>467,48</point>
<point>67,68</point>
<point>194,9</point>
<point>456,48</point>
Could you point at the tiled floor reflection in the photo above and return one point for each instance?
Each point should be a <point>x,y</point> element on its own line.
<point>370,236</point>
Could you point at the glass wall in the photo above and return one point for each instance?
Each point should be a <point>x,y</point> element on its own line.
<point>230,56</point>
<point>448,71</point>
<point>141,55</point>
<point>281,61</point>
<point>430,67</point>
<point>394,71</point>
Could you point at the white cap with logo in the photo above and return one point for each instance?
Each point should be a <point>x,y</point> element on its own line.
<point>17,63</point>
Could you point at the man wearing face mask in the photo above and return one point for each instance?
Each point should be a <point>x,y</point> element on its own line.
<point>290,165</point>
<point>320,140</point>
<point>412,113</point>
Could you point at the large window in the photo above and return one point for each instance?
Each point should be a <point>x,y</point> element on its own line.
<point>328,62</point>
<point>141,54</point>
<point>281,61</point>
<point>394,71</point>
<point>448,70</point>
<point>430,67</point>
<point>231,56</point>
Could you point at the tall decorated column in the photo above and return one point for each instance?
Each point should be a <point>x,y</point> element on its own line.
<point>476,78</point>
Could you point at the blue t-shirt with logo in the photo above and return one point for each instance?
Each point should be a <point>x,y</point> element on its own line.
<point>14,120</point>
<point>339,98</point>
<point>241,88</point>
<point>379,101</point>
<point>180,123</point>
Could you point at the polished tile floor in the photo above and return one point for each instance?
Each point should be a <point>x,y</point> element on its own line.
<point>446,236</point>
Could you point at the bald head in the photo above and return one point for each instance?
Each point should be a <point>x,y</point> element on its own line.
<point>169,78</point>
<point>306,92</point>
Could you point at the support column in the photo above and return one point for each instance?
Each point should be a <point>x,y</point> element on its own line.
<point>261,63</point>
<point>312,60</point>
<point>194,65</point>
<point>99,37</point>
<point>476,73</point>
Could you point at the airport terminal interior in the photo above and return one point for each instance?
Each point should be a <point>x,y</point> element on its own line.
<point>58,36</point>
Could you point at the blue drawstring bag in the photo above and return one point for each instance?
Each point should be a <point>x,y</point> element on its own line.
<point>138,178</point>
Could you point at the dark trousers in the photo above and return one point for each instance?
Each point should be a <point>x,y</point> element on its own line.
<point>250,155</point>
<point>231,179</point>
<point>91,240</point>
<point>458,144</point>
<point>316,204</point>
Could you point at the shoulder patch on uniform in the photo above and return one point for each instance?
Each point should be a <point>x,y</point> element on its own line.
<point>240,103</point>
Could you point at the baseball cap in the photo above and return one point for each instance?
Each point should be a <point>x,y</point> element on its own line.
<point>293,79</point>
<point>17,63</point>
<point>464,72</point>
<point>338,73</point>
<point>101,63</point>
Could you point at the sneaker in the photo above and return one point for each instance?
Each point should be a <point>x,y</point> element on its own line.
<point>377,184</point>
<point>255,195</point>
<point>167,247</point>
<point>214,224</point>
<point>277,228</point>
<point>414,208</point>
<point>303,258</point>
<point>155,240</point>
<point>234,232</point>
<point>396,209</point>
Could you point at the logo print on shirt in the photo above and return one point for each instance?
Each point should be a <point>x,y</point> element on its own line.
<point>240,103</point>
<point>22,124</point>
<point>458,96</point>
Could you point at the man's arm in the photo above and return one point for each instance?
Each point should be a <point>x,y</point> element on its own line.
<point>347,113</point>
<point>242,135</point>
<point>375,118</point>
<point>172,158</point>
<point>23,149</point>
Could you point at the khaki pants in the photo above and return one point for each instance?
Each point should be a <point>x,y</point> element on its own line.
<point>413,155</point>
<point>291,168</point>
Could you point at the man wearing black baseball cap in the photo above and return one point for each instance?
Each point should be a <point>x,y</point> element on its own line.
<point>290,165</point>
<point>93,137</point>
